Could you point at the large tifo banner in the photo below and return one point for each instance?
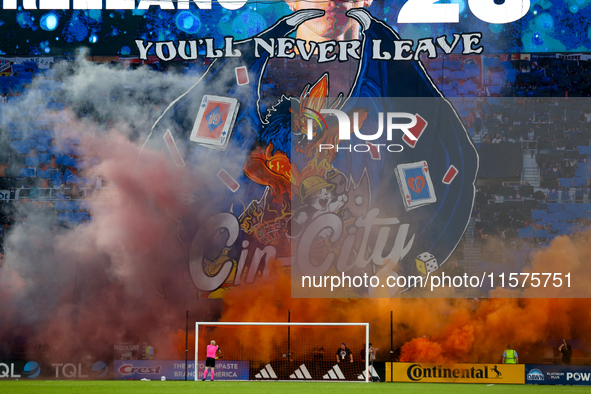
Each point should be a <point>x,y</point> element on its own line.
<point>455,373</point>
<point>342,146</point>
<point>175,370</point>
<point>575,375</point>
<point>353,147</point>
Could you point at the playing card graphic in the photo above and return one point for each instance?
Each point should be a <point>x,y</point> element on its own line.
<point>415,184</point>
<point>173,149</point>
<point>215,121</point>
<point>417,131</point>
<point>241,75</point>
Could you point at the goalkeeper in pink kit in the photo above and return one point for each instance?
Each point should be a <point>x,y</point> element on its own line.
<point>213,352</point>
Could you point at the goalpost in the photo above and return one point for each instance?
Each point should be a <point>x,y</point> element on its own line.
<point>285,351</point>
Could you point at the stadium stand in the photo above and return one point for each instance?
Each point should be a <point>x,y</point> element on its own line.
<point>537,107</point>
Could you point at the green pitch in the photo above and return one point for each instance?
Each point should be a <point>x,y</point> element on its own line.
<point>158,387</point>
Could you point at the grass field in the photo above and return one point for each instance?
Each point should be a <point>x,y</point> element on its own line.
<point>157,387</point>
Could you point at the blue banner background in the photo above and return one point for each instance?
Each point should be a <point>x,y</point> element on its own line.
<point>558,374</point>
<point>557,26</point>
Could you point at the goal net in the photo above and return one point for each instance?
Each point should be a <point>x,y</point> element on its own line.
<point>285,351</point>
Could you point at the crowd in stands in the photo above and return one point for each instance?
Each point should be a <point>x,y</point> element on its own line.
<point>39,173</point>
<point>543,107</point>
<point>555,134</point>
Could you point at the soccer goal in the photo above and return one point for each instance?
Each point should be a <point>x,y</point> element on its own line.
<point>285,351</point>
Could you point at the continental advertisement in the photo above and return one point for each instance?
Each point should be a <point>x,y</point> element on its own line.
<point>456,373</point>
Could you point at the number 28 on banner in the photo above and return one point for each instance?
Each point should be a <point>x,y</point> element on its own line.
<point>491,11</point>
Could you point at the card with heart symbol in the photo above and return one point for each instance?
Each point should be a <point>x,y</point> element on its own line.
<point>415,184</point>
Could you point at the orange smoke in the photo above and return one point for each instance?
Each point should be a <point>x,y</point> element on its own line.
<point>446,330</point>
<point>422,349</point>
<point>175,346</point>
